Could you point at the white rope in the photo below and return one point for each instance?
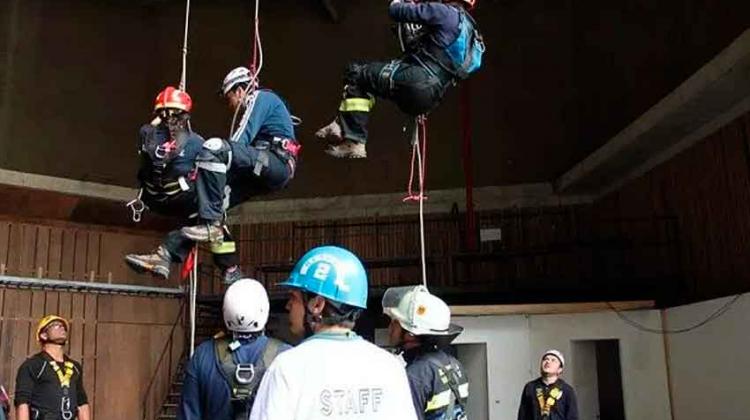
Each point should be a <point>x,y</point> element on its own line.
<point>193,299</point>
<point>421,205</point>
<point>183,77</point>
<point>258,43</point>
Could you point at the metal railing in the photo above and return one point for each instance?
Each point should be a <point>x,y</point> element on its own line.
<point>154,396</point>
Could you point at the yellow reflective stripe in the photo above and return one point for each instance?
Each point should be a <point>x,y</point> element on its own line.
<point>356,105</point>
<point>223,248</point>
<point>439,401</point>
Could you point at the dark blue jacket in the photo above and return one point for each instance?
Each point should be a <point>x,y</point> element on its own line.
<point>565,408</point>
<point>269,118</point>
<point>440,20</point>
<point>156,171</point>
<point>205,393</point>
<point>426,384</point>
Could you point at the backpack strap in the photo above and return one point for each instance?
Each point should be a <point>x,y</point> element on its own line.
<point>452,383</point>
<point>273,348</point>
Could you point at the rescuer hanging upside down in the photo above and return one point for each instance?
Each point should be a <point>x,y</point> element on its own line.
<point>259,158</point>
<point>441,45</point>
<point>167,176</point>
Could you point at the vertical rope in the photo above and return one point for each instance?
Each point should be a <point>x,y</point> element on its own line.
<point>183,76</point>
<point>193,298</point>
<point>419,151</point>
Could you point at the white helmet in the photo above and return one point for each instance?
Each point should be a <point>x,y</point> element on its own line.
<point>246,306</point>
<point>237,76</point>
<point>556,353</point>
<point>418,311</point>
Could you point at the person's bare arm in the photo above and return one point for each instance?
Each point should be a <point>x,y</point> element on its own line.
<point>22,412</point>
<point>83,412</point>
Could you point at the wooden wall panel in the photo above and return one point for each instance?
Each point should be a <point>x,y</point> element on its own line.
<point>118,339</point>
<point>707,189</point>
<point>68,251</point>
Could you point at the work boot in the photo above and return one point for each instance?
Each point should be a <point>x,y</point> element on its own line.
<point>232,274</point>
<point>207,232</point>
<point>347,149</point>
<point>156,263</point>
<point>330,133</point>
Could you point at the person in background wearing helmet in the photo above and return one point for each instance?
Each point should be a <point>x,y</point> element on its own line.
<point>168,150</point>
<point>333,373</point>
<point>441,46</point>
<point>259,158</point>
<point>549,397</point>
<point>224,372</point>
<point>420,328</point>
<point>49,384</point>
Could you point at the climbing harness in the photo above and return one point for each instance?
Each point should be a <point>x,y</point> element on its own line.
<point>243,378</point>
<point>419,153</point>
<point>547,402</point>
<point>64,376</point>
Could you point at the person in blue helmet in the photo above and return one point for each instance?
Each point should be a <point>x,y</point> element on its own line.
<point>222,376</point>
<point>333,373</point>
<point>260,156</point>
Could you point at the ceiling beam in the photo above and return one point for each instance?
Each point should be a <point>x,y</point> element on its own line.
<point>715,95</point>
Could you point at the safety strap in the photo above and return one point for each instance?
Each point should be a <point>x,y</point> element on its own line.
<point>234,135</point>
<point>63,377</point>
<point>243,378</point>
<point>449,376</point>
<point>547,402</point>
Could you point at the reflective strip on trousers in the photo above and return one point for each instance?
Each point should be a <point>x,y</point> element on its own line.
<point>356,105</point>
<point>223,248</point>
<point>212,167</point>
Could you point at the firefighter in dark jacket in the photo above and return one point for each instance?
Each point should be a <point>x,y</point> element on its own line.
<point>549,397</point>
<point>224,372</point>
<point>441,45</point>
<point>168,149</point>
<point>49,385</point>
<point>420,327</point>
<point>259,158</point>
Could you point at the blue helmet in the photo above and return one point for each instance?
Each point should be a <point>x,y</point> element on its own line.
<point>333,273</point>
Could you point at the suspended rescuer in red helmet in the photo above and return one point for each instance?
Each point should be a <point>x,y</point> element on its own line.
<point>168,149</point>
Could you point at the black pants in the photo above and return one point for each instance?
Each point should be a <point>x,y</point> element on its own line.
<point>185,206</point>
<point>412,87</point>
<point>252,172</point>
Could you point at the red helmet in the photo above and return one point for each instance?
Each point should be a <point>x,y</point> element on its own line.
<point>173,98</point>
<point>470,3</point>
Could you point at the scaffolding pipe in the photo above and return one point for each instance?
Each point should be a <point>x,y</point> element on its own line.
<point>92,287</point>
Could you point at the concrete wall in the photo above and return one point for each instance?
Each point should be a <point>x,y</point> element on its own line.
<point>708,366</point>
<point>514,344</point>
<point>78,77</point>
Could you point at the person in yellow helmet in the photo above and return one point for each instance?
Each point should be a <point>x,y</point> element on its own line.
<point>49,384</point>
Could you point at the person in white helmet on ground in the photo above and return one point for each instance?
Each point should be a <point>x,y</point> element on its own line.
<point>333,373</point>
<point>420,328</point>
<point>260,156</point>
<point>222,376</point>
<point>549,397</point>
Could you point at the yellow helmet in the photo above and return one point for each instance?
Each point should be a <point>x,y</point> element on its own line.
<point>44,322</point>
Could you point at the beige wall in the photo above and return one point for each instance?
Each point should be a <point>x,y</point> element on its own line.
<point>708,366</point>
<point>515,343</point>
